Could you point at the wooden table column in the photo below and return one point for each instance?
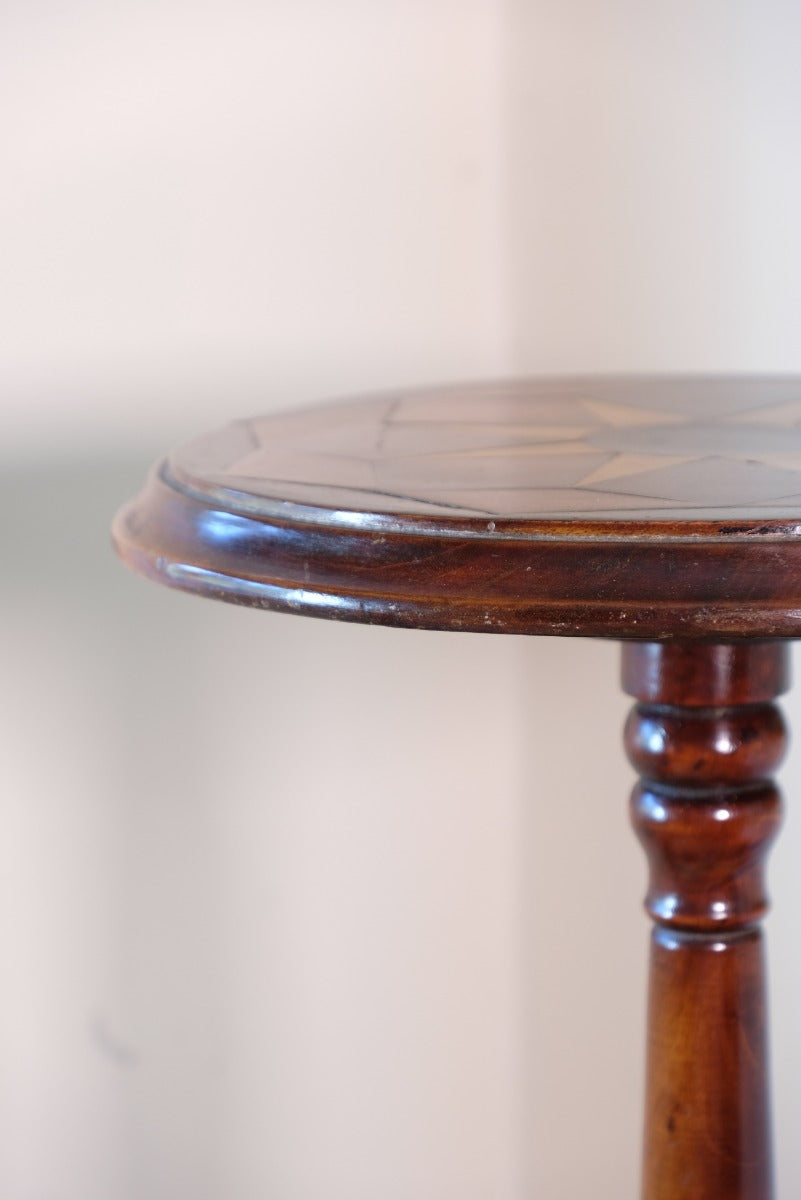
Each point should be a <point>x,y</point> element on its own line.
<point>706,737</point>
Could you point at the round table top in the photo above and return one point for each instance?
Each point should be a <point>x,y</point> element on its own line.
<point>627,507</point>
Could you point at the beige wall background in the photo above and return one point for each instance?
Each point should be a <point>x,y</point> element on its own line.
<point>297,909</point>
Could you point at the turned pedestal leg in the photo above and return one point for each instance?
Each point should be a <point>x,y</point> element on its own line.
<point>705,738</point>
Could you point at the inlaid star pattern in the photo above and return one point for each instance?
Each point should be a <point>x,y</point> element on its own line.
<point>623,447</point>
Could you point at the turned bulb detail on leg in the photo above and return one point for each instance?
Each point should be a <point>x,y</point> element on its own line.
<point>705,737</point>
<point>706,810</point>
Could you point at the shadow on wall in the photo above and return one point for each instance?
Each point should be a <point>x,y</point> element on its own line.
<point>108,864</point>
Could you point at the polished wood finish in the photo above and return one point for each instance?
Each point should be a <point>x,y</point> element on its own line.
<point>627,508</point>
<point>642,449</point>
<point>662,512</point>
<point>705,738</point>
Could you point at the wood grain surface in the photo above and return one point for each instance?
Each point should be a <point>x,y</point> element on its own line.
<point>631,508</point>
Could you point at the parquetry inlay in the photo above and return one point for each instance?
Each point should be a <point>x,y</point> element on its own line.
<point>623,447</point>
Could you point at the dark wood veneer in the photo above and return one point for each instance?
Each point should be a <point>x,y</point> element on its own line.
<point>650,540</point>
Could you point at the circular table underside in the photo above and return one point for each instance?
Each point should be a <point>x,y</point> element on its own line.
<point>647,508</point>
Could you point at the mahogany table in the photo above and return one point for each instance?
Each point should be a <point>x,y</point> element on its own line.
<point>665,513</point>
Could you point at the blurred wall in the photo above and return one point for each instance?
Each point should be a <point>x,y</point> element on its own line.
<point>299,909</point>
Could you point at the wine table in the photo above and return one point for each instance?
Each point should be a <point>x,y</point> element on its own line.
<point>663,512</point>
